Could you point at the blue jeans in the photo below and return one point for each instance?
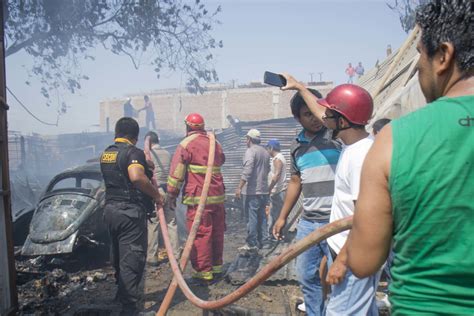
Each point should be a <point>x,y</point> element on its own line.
<point>354,296</point>
<point>307,265</point>
<point>257,230</point>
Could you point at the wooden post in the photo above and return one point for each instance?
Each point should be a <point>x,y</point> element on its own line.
<point>8,295</point>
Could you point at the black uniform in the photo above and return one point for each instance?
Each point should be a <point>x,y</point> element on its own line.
<point>125,217</point>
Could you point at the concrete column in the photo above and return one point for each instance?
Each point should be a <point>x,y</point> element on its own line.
<point>224,122</point>
<point>175,111</point>
<point>275,102</point>
<point>108,119</point>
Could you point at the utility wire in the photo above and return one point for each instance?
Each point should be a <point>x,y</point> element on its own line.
<point>29,112</point>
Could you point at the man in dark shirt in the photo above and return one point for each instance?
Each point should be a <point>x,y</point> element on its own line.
<point>128,194</point>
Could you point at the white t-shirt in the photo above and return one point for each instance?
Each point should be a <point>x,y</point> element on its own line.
<point>346,186</point>
<point>281,182</point>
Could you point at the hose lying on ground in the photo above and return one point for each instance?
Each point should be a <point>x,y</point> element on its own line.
<point>286,256</point>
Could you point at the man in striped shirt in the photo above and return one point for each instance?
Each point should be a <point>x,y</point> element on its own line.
<point>314,156</point>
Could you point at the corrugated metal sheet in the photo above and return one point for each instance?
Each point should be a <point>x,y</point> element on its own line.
<point>233,144</point>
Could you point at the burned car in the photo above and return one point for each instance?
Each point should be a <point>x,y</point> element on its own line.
<point>69,213</point>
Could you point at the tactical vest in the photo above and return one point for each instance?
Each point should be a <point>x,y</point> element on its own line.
<point>118,186</point>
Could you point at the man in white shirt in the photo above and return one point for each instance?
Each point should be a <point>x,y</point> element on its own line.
<point>277,181</point>
<point>346,110</point>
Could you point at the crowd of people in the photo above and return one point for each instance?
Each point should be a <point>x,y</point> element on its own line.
<point>409,188</point>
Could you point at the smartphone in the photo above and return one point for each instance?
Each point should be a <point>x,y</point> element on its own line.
<point>274,79</point>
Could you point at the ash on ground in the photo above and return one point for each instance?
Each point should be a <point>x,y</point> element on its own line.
<point>84,284</point>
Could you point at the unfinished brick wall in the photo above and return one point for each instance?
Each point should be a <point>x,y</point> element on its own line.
<point>246,104</point>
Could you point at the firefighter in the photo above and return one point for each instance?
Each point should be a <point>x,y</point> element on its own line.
<point>128,194</point>
<point>188,167</point>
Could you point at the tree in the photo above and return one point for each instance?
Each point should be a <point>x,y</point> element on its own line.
<point>59,34</point>
<point>406,10</point>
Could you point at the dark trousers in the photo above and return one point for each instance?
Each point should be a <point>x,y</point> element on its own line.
<point>127,228</point>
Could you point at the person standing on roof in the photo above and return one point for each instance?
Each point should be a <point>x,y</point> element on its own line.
<point>359,70</point>
<point>128,194</point>
<point>277,177</point>
<point>314,156</point>
<point>254,186</point>
<point>188,167</point>
<point>417,183</point>
<point>350,72</point>
<point>149,114</point>
<point>346,110</point>
<point>128,110</point>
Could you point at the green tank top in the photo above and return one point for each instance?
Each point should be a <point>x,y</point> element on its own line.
<point>432,190</point>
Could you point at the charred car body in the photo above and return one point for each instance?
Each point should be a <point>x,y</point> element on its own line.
<point>69,213</point>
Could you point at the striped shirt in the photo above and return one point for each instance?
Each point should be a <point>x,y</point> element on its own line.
<point>314,161</point>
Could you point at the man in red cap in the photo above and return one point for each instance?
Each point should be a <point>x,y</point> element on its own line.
<point>346,110</point>
<point>188,166</point>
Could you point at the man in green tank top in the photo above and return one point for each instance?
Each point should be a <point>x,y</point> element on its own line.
<point>417,186</point>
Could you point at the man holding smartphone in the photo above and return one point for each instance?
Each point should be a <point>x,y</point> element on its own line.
<point>346,110</point>
<point>314,156</point>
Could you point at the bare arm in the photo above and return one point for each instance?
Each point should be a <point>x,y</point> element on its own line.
<point>338,269</point>
<point>137,176</point>
<point>370,237</point>
<point>278,165</point>
<point>292,194</point>
<point>310,99</point>
<point>238,191</point>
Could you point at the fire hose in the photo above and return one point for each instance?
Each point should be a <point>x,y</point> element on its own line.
<point>286,256</point>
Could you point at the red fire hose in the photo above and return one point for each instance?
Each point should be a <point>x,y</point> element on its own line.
<point>286,256</point>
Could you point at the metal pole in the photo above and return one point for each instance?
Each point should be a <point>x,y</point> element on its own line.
<point>8,295</point>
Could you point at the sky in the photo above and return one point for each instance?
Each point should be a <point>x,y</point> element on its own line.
<point>295,36</point>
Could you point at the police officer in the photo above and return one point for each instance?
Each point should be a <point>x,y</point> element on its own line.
<point>128,194</point>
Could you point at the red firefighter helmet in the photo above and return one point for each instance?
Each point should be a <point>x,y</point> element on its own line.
<point>352,101</point>
<point>195,121</point>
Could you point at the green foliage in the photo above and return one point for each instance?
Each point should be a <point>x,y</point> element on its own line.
<point>59,34</point>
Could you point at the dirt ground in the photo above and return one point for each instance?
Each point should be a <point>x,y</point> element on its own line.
<point>84,284</point>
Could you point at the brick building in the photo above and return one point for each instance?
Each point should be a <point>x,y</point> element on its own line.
<point>247,103</point>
